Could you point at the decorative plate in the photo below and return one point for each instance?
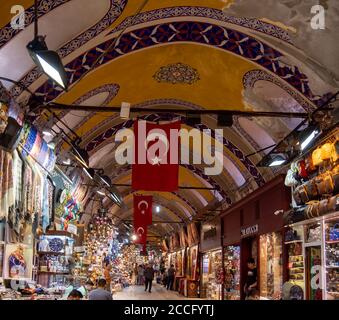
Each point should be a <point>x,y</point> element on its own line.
<point>56,244</point>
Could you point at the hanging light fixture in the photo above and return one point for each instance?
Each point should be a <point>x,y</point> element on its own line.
<point>80,155</point>
<point>89,172</point>
<point>106,180</point>
<point>49,61</point>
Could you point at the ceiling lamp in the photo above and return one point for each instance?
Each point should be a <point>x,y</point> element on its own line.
<point>225,120</point>
<point>81,155</point>
<point>277,162</point>
<point>157,209</point>
<point>307,137</point>
<point>101,193</point>
<point>48,60</point>
<point>89,172</point>
<point>106,180</point>
<point>193,119</point>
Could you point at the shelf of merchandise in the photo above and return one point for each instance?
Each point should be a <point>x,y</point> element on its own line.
<point>51,272</point>
<point>332,241</point>
<point>51,253</point>
<point>293,241</point>
<point>313,244</point>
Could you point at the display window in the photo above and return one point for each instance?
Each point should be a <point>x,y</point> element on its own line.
<point>212,275</point>
<point>232,273</point>
<point>271,268</point>
<point>331,238</point>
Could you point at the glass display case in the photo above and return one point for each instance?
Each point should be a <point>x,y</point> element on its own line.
<point>232,273</point>
<point>271,269</point>
<point>54,259</point>
<point>331,239</point>
<point>212,275</point>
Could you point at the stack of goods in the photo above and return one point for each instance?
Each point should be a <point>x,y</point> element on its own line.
<point>296,261</point>
<point>315,183</point>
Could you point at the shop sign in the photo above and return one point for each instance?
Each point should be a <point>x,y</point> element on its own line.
<point>244,232</point>
<point>210,233</point>
<point>72,228</point>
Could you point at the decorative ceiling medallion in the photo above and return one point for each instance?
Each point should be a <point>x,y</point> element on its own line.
<point>177,73</point>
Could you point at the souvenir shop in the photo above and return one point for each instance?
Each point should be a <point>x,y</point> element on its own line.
<point>253,228</point>
<point>312,225</point>
<point>212,277</point>
<point>183,253</point>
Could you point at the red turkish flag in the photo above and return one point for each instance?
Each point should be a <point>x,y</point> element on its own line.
<point>143,208</point>
<point>156,165</point>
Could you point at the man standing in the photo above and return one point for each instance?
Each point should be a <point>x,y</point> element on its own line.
<point>170,277</point>
<point>100,293</point>
<point>250,287</point>
<point>149,276</point>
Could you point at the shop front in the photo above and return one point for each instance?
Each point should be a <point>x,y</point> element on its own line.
<point>312,225</point>
<point>252,229</point>
<point>212,275</point>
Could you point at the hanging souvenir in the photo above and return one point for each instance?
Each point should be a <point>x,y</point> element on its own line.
<point>316,157</point>
<point>326,151</point>
<point>17,263</point>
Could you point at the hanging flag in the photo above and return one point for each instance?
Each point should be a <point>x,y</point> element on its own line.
<point>143,208</point>
<point>156,154</point>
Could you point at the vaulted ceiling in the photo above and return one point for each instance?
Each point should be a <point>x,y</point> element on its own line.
<point>196,54</point>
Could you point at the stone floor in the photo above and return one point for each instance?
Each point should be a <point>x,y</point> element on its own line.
<point>158,293</point>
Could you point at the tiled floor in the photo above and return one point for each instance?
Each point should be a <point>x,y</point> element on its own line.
<point>138,293</point>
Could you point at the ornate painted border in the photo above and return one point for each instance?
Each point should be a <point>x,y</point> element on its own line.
<point>115,10</point>
<point>252,76</point>
<point>204,12</point>
<point>182,32</point>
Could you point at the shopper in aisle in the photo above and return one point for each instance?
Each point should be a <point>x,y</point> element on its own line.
<point>75,295</point>
<point>251,279</point>
<point>107,276</point>
<point>170,277</point>
<point>100,293</point>
<point>140,275</point>
<point>149,276</point>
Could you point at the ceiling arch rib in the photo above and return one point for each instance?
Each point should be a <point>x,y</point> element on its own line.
<point>200,33</point>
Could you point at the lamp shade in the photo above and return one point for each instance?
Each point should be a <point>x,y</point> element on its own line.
<point>49,61</point>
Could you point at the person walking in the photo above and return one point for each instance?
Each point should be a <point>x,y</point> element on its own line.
<point>107,276</point>
<point>100,293</point>
<point>250,286</point>
<point>149,276</point>
<point>170,277</point>
<point>140,275</point>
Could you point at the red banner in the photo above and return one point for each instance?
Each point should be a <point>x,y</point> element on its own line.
<point>156,158</point>
<point>143,208</point>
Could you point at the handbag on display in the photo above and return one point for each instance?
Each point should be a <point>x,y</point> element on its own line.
<point>323,207</point>
<point>311,189</point>
<point>326,151</point>
<point>333,204</point>
<point>324,183</point>
<point>335,179</point>
<point>335,151</point>
<point>290,181</point>
<point>300,195</point>
<point>312,210</point>
<point>310,167</point>
<point>334,233</point>
<point>316,157</point>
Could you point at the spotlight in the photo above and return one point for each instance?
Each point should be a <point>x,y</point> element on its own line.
<point>89,172</point>
<point>225,120</point>
<point>134,237</point>
<point>101,193</point>
<point>157,209</point>
<point>106,180</point>
<point>193,119</point>
<point>49,61</point>
<point>277,162</point>
<point>310,137</point>
<point>67,161</point>
<point>81,155</point>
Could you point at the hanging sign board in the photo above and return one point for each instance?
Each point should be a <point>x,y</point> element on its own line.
<point>248,231</point>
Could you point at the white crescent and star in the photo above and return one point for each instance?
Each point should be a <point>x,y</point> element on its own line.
<point>143,211</point>
<point>140,232</point>
<point>161,137</point>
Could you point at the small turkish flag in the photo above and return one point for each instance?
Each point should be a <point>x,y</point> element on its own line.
<point>156,156</point>
<point>143,208</point>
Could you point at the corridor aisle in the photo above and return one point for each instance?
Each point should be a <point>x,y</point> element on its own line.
<point>138,293</point>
